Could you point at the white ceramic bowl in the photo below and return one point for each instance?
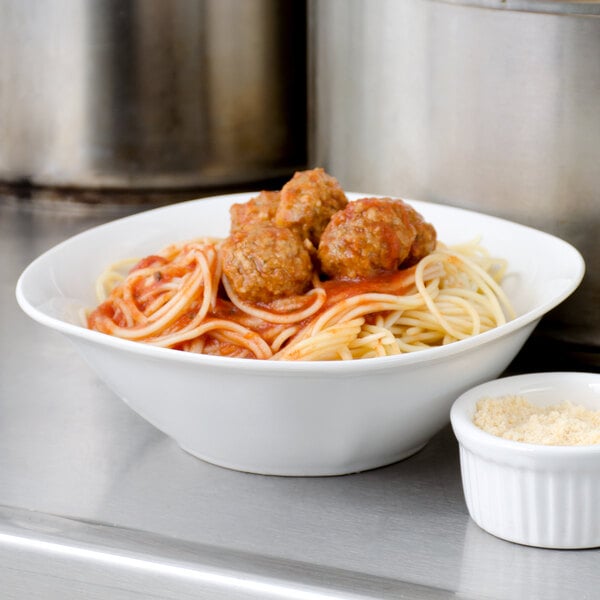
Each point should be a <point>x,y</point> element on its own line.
<point>286,418</point>
<point>533,494</point>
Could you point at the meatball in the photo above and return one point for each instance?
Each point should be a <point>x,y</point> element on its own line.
<point>266,262</point>
<point>308,201</point>
<point>369,237</point>
<point>260,209</point>
<point>426,238</point>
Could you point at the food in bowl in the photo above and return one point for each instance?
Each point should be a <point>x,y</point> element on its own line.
<point>306,275</point>
<point>516,418</point>
<point>529,491</point>
<point>284,417</point>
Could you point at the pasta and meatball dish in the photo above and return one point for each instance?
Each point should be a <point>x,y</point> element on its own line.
<point>306,274</point>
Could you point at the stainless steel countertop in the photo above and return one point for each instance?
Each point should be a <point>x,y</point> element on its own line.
<point>96,503</point>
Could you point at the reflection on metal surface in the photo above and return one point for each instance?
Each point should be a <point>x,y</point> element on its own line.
<point>229,581</point>
<point>110,560</point>
<point>561,7</point>
<point>514,571</point>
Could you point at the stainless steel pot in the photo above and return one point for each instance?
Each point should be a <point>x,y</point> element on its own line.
<point>493,105</point>
<point>151,93</point>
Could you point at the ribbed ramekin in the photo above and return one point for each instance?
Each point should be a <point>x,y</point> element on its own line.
<point>538,495</point>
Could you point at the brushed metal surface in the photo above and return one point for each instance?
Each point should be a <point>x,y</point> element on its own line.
<point>492,110</point>
<point>95,503</point>
<point>151,94</point>
<point>559,7</point>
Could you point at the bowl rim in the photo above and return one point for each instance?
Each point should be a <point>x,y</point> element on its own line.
<point>430,355</point>
<point>470,435</point>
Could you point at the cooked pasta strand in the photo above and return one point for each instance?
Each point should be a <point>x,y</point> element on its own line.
<point>180,299</point>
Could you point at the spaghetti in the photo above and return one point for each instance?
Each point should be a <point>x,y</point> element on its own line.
<point>180,299</point>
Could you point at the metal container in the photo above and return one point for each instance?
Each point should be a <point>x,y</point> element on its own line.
<point>492,105</point>
<point>150,93</point>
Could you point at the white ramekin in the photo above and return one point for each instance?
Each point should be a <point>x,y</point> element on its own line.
<point>546,496</point>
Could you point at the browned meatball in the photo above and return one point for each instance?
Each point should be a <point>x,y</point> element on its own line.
<point>308,201</point>
<point>369,237</point>
<point>266,262</point>
<point>426,239</point>
<point>260,209</point>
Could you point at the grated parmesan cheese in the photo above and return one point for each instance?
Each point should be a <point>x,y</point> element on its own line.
<point>515,418</point>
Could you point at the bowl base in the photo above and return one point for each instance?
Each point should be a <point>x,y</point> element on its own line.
<point>299,470</point>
